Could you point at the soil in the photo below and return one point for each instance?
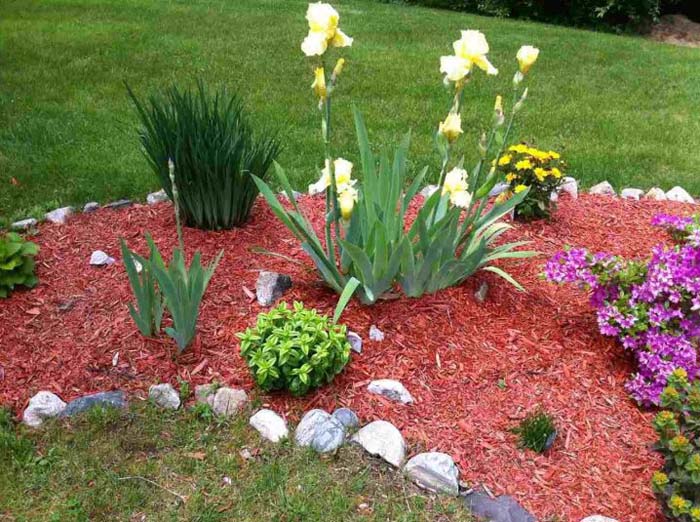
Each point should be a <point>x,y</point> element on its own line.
<point>677,29</point>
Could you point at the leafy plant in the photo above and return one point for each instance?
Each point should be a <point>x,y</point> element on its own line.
<point>16,263</point>
<point>536,432</point>
<point>297,349</point>
<point>677,486</point>
<point>215,149</point>
<point>149,314</point>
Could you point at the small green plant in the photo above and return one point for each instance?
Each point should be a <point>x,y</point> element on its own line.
<point>149,314</point>
<point>215,149</point>
<point>297,349</point>
<point>15,451</point>
<point>16,263</point>
<point>536,432</point>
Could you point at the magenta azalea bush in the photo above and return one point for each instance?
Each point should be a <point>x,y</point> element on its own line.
<point>651,306</point>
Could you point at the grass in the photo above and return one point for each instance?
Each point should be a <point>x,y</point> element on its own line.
<point>621,108</point>
<point>77,470</point>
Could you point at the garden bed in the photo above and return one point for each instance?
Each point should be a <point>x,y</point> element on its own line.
<point>474,369</point>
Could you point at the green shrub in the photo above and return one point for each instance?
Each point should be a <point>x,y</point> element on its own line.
<point>294,349</point>
<point>536,432</point>
<point>149,313</point>
<point>16,263</point>
<point>214,148</point>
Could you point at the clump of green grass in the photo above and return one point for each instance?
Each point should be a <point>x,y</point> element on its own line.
<point>536,432</point>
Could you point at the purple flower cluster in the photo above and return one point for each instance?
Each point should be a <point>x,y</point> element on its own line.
<point>653,308</point>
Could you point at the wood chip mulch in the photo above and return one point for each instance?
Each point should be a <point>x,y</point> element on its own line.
<point>474,369</point>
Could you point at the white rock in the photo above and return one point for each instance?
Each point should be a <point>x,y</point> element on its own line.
<point>306,429</point>
<point>631,193</point>
<point>602,189</point>
<point>428,191</point>
<point>679,194</point>
<point>270,425</point>
<point>656,193</point>
<point>569,186</point>
<point>157,197</point>
<point>554,197</point>
<point>390,389</point>
<point>375,334</point>
<point>435,472</point>
<point>59,216</point>
<point>165,396</point>
<point>382,439</point>
<point>329,436</point>
<point>598,518</point>
<point>43,405</point>
<point>100,258</point>
<point>24,224</point>
<point>91,207</point>
<point>228,401</point>
<point>355,342</point>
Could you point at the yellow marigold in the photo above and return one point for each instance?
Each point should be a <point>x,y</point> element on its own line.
<point>555,172</point>
<point>554,155</point>
<point>538,154</point>
<point>505,160</point>
<point>519,188</point>
<point>540,174</point>
<point>520,148</point>
<point>525,164</point>
<point>659,479</point>
<point>511,176</point>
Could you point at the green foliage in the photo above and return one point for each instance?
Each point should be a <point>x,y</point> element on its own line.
<point>16,263</point>
<point>215,149</point>
<point>149,313</point>
<point>16,452</point>
<point>677,486</point>
<point>536,432</point>
<point>294,349</point>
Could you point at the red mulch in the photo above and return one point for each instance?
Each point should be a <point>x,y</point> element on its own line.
<point>446,348</point>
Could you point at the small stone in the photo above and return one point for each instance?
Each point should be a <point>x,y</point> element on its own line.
<point>121,203</point>
<point>228,401</point>
<point>554,196</point>
<point>656,194</point>
<point>157,197</point>
<point>355,342</point>
<point>296,195</point>
<point>382,439</point>
<point>598,518</point>
<point>24,224</point>
<point>226,480</point>
<point>679,194</point>
<point>498,189</point>
<point>602,189</point>
<point>165,396</point>
<point>390,389</point>
<point>428,191</point>
<point>570,187</point>
<point>271,286</point>
<point>329,436</point>
<point>375,334</point>
<point>435,472</point>
<point>100,258</point>
<point>204,393</point>
<point>59,216</point>
<point>348,418</point>
<point>110,399</point>
<point>631,193</point>
<point>270,425</point>
<point>246,454</point>
<point>501,509</point>
<point>306,429</point>
<point>44,405</point>
<point>91,207</point>
<point>480,294</point>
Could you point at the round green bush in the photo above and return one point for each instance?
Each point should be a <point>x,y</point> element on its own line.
<point>294,349</point>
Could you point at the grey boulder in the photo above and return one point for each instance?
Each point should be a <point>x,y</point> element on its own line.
<point>271,426</point>
<point>309,423</point>
<point>271,286</point>
<point>100,258</point>
<point>355,342</point>
<point>44,405</point>
<point>598,518</point>
<point>382,439</point>
<point>500,509</point>
<point>228,401</point>
<point>157,197</point>
<point>120,203</point>
<point>390,389</point>
<point>24,224</point>
<point>165,396</point>
<point>59,216</point>
<point>631,193</point>
<point>348,418</point>
<point>329,436</point>
<point>110,399</point>
<point>602,189</point>
<point>435,472</point>
<point>679,194</point>
<point>91,207</point>
<point>375,334</point>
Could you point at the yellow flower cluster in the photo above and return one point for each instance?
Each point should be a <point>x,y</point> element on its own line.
<point>470,50</point>
<point>525,165</point>
<point>456,186</point>
<point>323,30</point>
<point>344,185</point>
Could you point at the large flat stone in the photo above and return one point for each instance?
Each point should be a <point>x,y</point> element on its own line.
<point>110,399</point>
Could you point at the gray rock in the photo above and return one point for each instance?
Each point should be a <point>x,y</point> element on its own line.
<point>631,193</point>
<point>270,425</point>
<point>110,399</point>
<point>428,191</point>
<point>382,439</point>
<point>100,258</point>
<point>656,194</point>
<point>204,393</point>
<point>165,396</point>
<point>498,189</point>
<point>355,342</point>
<point>44,405</point>
<point>306,429</point>
<point>435,472</point>
<point>329,436</point>
<point>24,224</point>
<point>570,187</point>
<point>59,216</point>
<point>271,286</point>
<point>482,292</point>
<point>296,195</point>
<point>121,203</point>
<point>91,207</point>
<point>375,334</point>
<point>228,401</point>
<point>348,418</point>
<point>157,197</point>
<point>598,518</point>
<point>500,509</point>
<point>679,194</point>
<point>390,389</point>
<point>603,189</point>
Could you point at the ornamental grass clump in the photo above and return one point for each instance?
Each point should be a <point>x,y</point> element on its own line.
<point>651,306</point>
<point>536,432</point>
<point>16,263</point>
<point>365,233</point>
<point>213,144</point>
<point>542,171</point>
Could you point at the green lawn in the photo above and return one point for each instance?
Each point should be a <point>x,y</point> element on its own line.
<point>139,465</point>
<point>622,108</point>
